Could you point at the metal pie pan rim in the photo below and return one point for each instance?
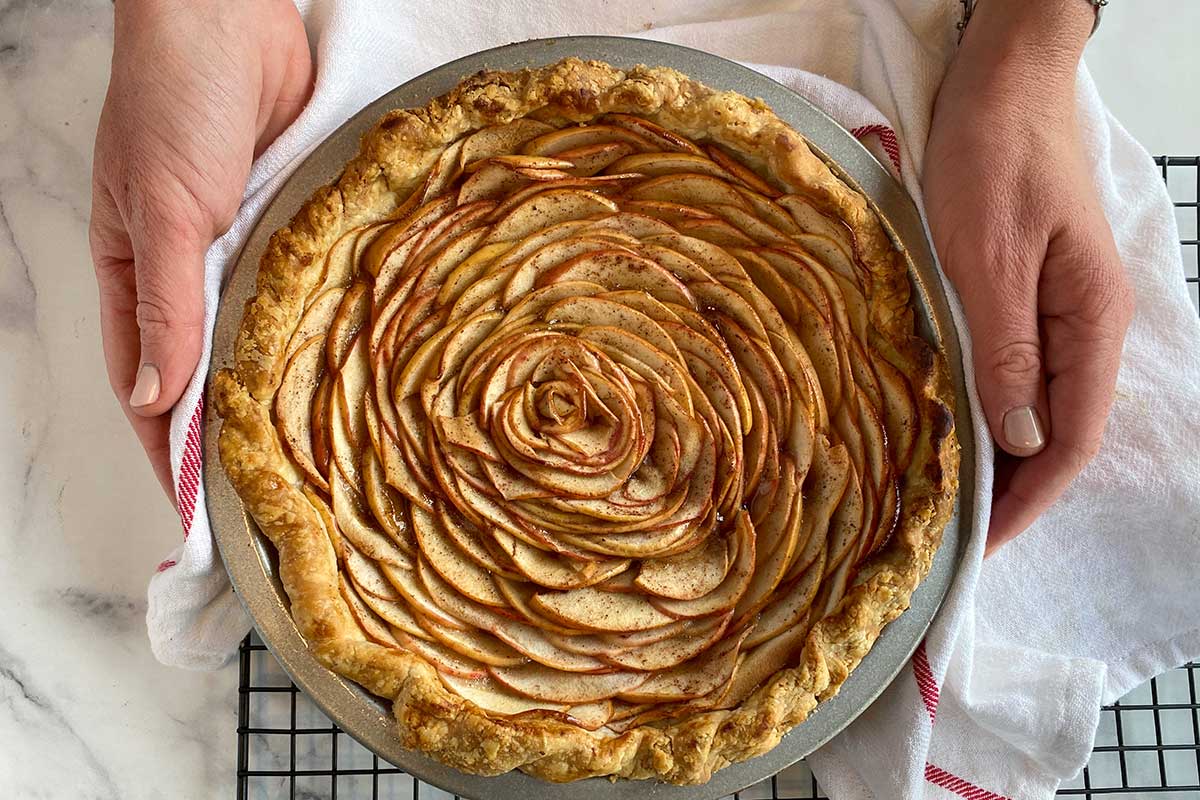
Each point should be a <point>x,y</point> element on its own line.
<point>249,558</point>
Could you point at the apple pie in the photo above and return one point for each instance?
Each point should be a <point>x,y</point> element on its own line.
<point>587,415</point>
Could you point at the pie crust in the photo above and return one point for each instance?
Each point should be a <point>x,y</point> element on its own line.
<point>396,158</point>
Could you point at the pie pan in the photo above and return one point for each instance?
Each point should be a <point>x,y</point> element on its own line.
<point>250,558</point>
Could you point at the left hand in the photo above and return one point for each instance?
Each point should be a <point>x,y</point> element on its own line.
<point>1021,234</point>
<point>197,90</point>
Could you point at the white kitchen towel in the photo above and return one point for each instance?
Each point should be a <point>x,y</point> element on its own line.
<point>1001,700</point>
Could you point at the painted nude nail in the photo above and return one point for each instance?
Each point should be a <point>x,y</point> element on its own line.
<point>1023,428</point>
<point>147,386</point>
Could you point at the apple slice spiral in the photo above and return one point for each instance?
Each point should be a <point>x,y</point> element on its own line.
<point>597,421</point>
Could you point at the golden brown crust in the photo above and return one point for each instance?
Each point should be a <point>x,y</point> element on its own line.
<point>394,156</point>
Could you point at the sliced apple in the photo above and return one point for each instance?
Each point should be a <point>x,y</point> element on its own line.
<point>664,139</point>
<point>750,224</point>
<point>696,678</point>
<point>498,140</point>
<point>899,411</point>
<point>590,159</point>
<point>824,488</point>
<point>632,640</point>
<point>494,697</point>
<point>714,260</point>
<point>554,572</point>
<point>660,163</point>
<point>573,138</point>
<point>326,515</point>
<point>846,526</point>
<point>337,268</point>
<point>366,575</point>
<point>597,311</point>
<point>349,509</point>
<point>781,293</point>
<point>790,605</point>
<point>670,652</point>
<point>617,269</point>
<point>589,716</point>
<point>810,220</point>
<point>316,319</point>
<point>592,609</point>
<point>387,505</point>
<point>322,447</point>
<point>726,596</point>
<point>771,567</point>
<point>764,661</point>
<point>537,645</point>
<point>451,563</point>
<point>595,645</point>
<point>474,645</point>
<point>527,639</point>
<point>353,312</point>
<point>473,543</point>
<point>638,226</point>
<point>372,626</point>
<point>417,596</point>
<point>445,170</point>
<point>544,683</point>
<point>442,658</point>
<point>294,405</point>
<point>687,189</point>
<point>396,613</point>
<point>353,384</point>
<point>770,211</point>
<point>739,170</point>
<point>688,576</point>
<point>549,208</point>
<point>438,268</point>
<point>544,259</point>
<point>469,272</point>
<point>519,595</point>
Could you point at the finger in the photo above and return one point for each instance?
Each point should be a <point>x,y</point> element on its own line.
<point>1001,307</point>
<point>169,277</point>
<point>112,253</point>
<point>155,435</point>
<point>1087,310</point>
<point>288,81</point>
<point>1024,489</point>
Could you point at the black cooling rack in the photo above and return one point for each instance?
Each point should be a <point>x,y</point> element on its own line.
<point>1147,746</point>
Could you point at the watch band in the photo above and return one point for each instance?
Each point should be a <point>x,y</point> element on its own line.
<point>969,9</point>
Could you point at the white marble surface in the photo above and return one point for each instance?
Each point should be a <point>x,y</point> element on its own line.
<point>85,712</point>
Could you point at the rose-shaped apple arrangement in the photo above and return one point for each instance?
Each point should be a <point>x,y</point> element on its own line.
<point>601,420</point>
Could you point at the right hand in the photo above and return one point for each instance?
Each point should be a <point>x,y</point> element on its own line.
<point>198,89</point>
<point>1022,235</point>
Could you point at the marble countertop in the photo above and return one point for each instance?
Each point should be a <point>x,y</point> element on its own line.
<point>85,711</point>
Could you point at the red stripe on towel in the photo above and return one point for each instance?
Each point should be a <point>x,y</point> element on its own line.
<point>952,783</point>
<point>188,483</point>
<point>925,682</point>
<point>887,138</point>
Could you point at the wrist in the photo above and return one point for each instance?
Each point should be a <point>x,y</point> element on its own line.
<point>1022,53</point>
<point>1045,38</point>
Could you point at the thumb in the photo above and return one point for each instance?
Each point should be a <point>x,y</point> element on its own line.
<point>169,277</point>
<point>1008,361</point>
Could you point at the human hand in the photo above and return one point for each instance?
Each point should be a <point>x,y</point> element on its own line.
<point>197,90</point>
<point>1021,234</point>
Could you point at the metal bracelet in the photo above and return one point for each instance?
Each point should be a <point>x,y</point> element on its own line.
<point>969,9</point>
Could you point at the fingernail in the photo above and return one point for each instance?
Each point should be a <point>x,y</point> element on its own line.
<point>1023,428</point>
<point>146,387</point>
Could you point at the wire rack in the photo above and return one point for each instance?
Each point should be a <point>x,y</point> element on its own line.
<point>1147,746</point>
